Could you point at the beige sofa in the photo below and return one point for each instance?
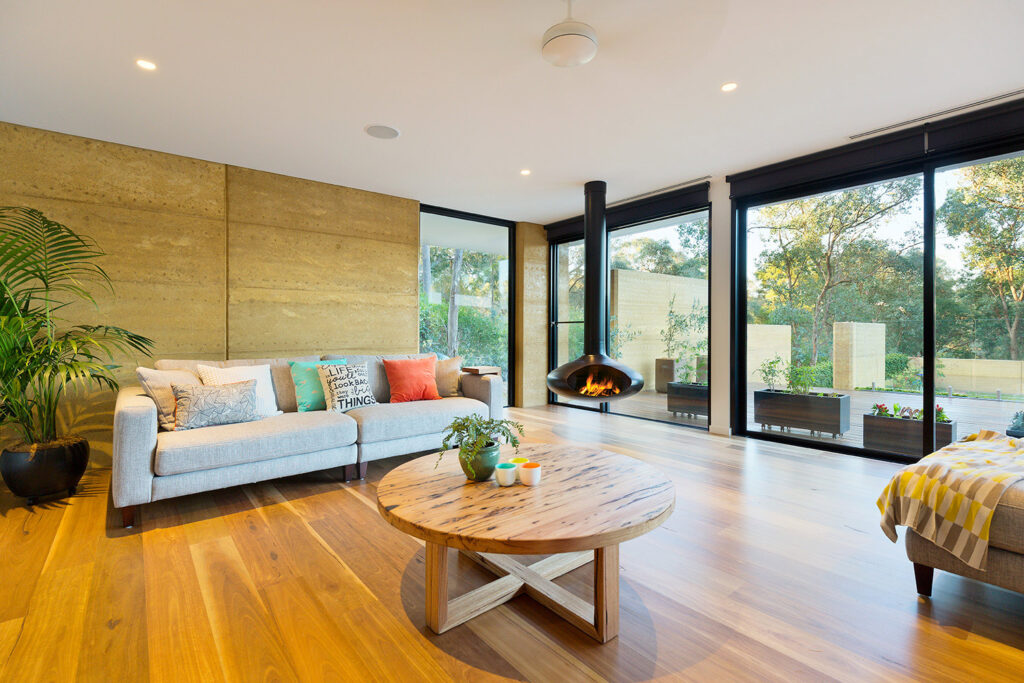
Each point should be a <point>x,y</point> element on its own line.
<point>1005,564</point>
<point>150,464</point>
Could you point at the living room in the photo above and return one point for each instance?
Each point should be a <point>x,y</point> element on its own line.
<point>537,341</point>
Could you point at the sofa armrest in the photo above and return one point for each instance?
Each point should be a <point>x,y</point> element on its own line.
<point>133,448</point>
<point>485,388</point>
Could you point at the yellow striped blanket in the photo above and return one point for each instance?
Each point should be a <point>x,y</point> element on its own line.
<point>949,496</point>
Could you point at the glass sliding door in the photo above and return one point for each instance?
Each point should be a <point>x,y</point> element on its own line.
<point>979,297</point>
<point>834,317</point>
<point>464,291</point>
<point>568,308</point>
<point>658,298</point>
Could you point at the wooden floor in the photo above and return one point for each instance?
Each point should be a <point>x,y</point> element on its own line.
<point>771,568</point>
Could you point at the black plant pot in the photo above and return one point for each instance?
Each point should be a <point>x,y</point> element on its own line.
<point>52,468</point>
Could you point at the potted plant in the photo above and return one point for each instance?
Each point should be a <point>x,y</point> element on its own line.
<point>44,268</point>
<point>1016,428</point>
<point>478,439</point>
<point>798,406</point>
<point>901,429</point>
<point>681,352</point>
<point>690,395</point>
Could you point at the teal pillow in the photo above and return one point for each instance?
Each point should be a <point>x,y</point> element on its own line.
<point>309,391</point>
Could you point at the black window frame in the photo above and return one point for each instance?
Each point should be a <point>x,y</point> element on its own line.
<point>512,279</point>
<point>680,202</point>
<point>974,136</point>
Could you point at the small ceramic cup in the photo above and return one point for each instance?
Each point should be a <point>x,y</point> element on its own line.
<point>519,462</point>
<point>505,473</point>
<point>530,473</point>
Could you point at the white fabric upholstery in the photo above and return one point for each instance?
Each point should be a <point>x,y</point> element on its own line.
<point>280,371</point>
<point>266,402</point>
<point>387,421</point>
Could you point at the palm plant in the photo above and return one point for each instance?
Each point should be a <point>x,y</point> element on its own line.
<point>44,268</point>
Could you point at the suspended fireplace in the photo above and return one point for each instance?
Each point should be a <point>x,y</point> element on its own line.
<point>595,377</point>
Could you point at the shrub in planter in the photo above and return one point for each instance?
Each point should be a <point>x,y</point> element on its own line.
<point>798,407</point>
<point>901,429</point>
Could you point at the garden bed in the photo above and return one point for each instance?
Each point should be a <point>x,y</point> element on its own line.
<point>903,436</point>
<point>689,399</point>
<point>825,413</point>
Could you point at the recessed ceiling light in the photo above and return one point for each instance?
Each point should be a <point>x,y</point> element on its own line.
<point>525,171</point>
<point>382,132</point>
<point>729,87</point>
<point>145,64</point>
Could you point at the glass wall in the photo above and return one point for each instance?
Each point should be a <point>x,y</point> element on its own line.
<point>979,294</point>
<point>834,317</point>
<point>658,298</point>
<point>568,338</point>
<point>464,291</point>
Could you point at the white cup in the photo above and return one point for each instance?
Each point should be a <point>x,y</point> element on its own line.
<point>505,473</point>
<point>519,462</point>
<point>529,474</point>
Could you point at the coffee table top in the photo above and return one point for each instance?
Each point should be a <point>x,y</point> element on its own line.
<point>587,498</point>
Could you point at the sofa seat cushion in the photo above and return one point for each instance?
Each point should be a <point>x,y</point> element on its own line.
<point>1007,530</point>
<point>272,437</point>
<point>386,421</point>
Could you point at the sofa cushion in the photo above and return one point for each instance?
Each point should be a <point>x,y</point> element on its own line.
<point>412,379</point>
<point>1007,530</point>
<point>386,421</point>
<point>280,372</point>
<point>375,370</point>
<point>272,437</point>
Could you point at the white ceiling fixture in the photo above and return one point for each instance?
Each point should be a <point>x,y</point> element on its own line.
<point>525,171</point>
<point>145,64</point>
<point>382,132</point>
<point>569,43</point>
<point>729,87</point>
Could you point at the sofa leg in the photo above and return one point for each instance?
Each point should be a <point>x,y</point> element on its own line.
<point>362,470</point>
<point>350,472</point>
<point>923,574</point>
<point>128,516</point>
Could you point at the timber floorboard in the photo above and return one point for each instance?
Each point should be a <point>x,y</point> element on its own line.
<point>772,567</point>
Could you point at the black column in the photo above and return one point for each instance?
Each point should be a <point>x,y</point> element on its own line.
<point>595,247</point>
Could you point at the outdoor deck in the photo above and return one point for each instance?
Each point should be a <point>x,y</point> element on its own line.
<point>970,414</point>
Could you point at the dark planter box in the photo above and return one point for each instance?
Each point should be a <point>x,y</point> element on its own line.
<point>827,414</point>
<point>902,436</point>
<point>689,399</point>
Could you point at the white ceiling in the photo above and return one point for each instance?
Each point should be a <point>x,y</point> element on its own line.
<point>288,86</point>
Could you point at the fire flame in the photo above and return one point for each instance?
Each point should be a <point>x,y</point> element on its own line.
<point>597,387</point>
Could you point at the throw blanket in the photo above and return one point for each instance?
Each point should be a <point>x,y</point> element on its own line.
<point>949,496</point>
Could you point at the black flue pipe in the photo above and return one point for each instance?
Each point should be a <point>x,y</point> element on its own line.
<point>595,284</point>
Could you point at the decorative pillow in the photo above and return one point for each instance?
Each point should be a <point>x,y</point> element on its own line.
<point>412,379</point>
<point>266,402</point>
<point>157,385</point>
<point>447,375</point>
<point>200,405</point>
<point>346,386</point>
<point>309,390</point>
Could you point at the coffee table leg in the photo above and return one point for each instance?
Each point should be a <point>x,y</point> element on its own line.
<point>606,592</point>
<point>437,586</point>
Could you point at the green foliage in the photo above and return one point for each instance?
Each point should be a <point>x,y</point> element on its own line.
<point>908,413</point>
<point>821,374</point>
<point>45,267</point>
<point>896,364</point>
<point>619,334</point>
<point>771,371</point>
<point>799,378</point>
<point>1017,423</point>
<point>472,433</point>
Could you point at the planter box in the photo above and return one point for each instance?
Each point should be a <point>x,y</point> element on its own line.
<point>902,436</point>
<point>689,399</point>
<point>827,414</point>
<point>667,370</point>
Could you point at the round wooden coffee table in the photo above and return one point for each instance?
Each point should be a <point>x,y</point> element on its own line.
<point>589,501</point>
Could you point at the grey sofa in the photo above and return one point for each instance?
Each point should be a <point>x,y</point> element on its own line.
<point>150,464</point>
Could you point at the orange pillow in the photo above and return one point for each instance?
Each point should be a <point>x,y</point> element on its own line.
<point>412,379</point>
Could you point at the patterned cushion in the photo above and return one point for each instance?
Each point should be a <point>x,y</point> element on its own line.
<point>198,405</point>
<point>266,403</point>
<point>346,386</point>
<point>309,390</point>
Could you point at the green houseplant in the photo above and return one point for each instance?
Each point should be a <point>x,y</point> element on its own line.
<point>798,405</point>
<point>44,268</point>
<point>478,439</point>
